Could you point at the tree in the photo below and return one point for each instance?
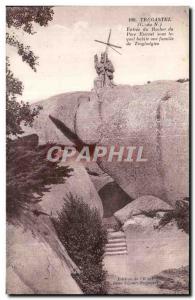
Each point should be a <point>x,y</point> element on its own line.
<point>81,232</point>
<point>29,174</point>
<point>22,18</point>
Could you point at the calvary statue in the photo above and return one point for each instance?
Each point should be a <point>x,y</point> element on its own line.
<point>104,69</point>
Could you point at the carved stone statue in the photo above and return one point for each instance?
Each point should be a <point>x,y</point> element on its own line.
<point>105,70</point>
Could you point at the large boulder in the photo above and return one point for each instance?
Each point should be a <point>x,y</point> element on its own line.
<point>57,111</point>
<point>79,185</point>
<point>154,116</point>
<point>141,205</point>
<point>97,175</point>
<point>37,263</point>
<point>140,223</point>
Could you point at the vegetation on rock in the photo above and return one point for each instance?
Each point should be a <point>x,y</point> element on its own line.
<point>81,231</point>
<point>180,214</point>
<point>29,174</point>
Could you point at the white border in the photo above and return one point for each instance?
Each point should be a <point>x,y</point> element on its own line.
<point>100,2</point>
<point>3,3</point>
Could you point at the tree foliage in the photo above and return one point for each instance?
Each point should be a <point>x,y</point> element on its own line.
<point>24,51</point>
<point>180,214</point>
<point>22,18</point>
<point>17,112</point>
<point>29,174</point>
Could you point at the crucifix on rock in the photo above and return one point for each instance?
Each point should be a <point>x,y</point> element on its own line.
<point>104,67</point>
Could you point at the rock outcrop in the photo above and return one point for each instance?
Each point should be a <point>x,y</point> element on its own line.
<point>141,205</point>
<point>79,185</point>
<point>140,224</point>
<point>154,116</point>
<point>173,281</point>
<point>37,263</point>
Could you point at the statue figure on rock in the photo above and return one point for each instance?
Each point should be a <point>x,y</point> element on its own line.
<point>104,67</point>
<point>105,70</point>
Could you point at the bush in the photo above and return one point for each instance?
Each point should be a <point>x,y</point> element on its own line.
<point>180,214</point>
<point>182,80</point>
<point>81,232</point>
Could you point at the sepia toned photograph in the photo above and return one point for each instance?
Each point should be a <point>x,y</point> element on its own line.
<point>97,150</point>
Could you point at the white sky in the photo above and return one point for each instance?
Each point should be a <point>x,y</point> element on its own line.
<point>66,49</point>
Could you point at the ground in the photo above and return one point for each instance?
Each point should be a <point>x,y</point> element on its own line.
<point>148,255</point>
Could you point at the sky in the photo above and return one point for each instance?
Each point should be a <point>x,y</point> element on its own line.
<point>66,50</point>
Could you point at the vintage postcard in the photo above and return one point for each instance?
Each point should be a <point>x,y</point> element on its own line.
<point>97,137</point>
